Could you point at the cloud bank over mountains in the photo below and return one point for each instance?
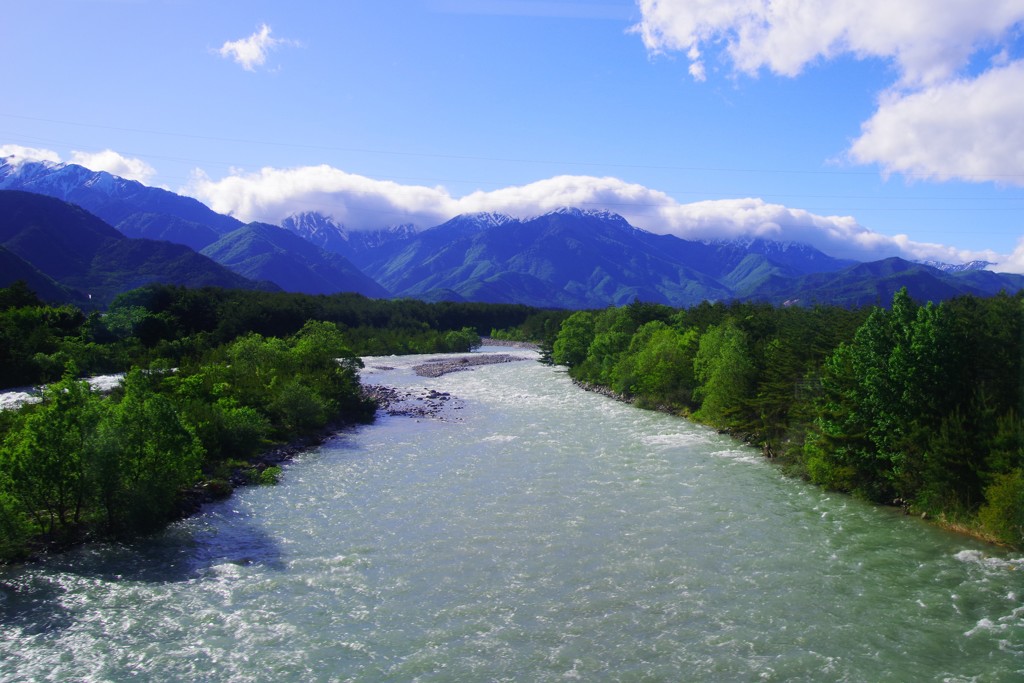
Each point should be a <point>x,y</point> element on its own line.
<point>360,203</point>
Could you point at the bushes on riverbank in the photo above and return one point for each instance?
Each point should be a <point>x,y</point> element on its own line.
<point>916,405</point>
<point>80,463</point>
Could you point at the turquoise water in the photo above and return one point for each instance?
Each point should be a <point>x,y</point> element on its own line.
<point>530,532</point>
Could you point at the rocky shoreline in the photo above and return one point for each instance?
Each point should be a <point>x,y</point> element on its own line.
<point>424,403</point>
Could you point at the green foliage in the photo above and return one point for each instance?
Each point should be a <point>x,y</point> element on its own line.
<point>224,427</point>
<point>269,476</point>
<point>15,527</point>
<point>18,295</point>
<point>48,453</point>
<point>724,371</point>
<point>658,367</point>
<point>145,457</point>
<point>573,341</point>
<point>462,340</point>
<point>613,332</point>
<point>30,336</point>
<point>1002,515</point>
<point>120,464</point>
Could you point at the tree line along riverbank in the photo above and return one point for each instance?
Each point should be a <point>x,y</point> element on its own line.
<point>913,405</point>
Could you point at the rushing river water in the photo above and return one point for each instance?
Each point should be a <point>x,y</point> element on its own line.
<point>530,532</point>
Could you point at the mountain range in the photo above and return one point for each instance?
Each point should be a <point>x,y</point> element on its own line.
<point>100,234</point>
<point>67,254</point>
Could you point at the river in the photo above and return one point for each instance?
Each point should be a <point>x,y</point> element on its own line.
<point>529,531</point>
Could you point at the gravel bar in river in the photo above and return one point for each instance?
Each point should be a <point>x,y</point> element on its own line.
<point>441,366</point>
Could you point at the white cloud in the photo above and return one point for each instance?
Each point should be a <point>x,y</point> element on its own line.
<point>1014,263</point>
<point>272,195</point>
<point>358,202</point>
<point>114,163</point>
<point>929,42</point>
<point>20,155</point>
<point>252,52</point>
<point>968,128</point>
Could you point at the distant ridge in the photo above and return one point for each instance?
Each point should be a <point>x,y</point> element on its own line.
<point>91,261</point>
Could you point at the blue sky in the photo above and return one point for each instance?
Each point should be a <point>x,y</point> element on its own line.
<point>867,128</point>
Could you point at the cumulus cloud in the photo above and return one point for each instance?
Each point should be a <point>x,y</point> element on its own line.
<point>929,42</point>
<point>966,128</point>
<point>1013,263</point>
<point>271,195</point>
<point>252,52</point>
<point>19,154</point>
<point>114,163</point>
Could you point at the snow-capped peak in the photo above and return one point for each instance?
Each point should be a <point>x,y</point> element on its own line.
<point>58,179</point>
<point>488,219</point>
<point>957,267</point>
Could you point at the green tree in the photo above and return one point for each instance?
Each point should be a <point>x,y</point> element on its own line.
<point>14,524</point>
<point>146,456</point>
<point>724,372</point>
<point>613,330</point>
<point>48,453</point>
<point>659,367</point>
<point>574,339</point>
<point>1002,515</point>
<point>226,428</point>
<point>465,339</point>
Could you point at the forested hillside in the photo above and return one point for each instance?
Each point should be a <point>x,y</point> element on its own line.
<point>917,405</point>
